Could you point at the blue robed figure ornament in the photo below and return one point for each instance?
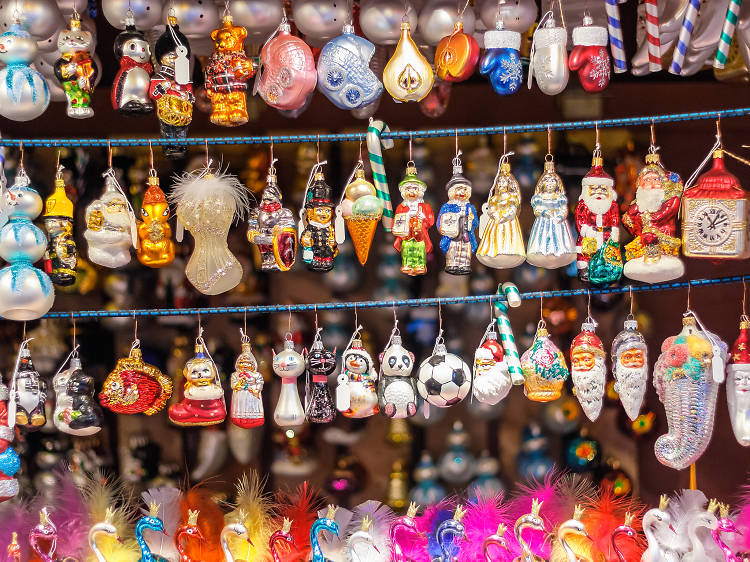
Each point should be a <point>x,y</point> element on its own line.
<point>501,60</point>
<point>23,91</point>
<point>344,74</point>
<point>457,222</point>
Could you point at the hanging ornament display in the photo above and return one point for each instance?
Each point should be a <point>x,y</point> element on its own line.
<point>457,54</point>
<point>357,391</point>
<point>155,245</point>
<point>456,223</point>
<point>412,223</point>
<point>589,57</point>
<point>397,389</point>
<point>502,60</point>
<point>407,75</point>
<point>134,386</point>
<point>361,210</point>
<point>630,367</point>
<point>549,56</point>
<point>738,384</point>
<point>344,74</point>
<point>76,69</point>
<point>286,76</point>
<point>289,365</point>
<point>443,378</point>
<point>208,202</point>
<point>588,369</point>
<point>687,375</point>
<point>76,411</point>
<point>597,219</point>
<point>26,293</point>
<point>653,255</point>
<point>9,460</point>
<point>24,95</point>
<point>715,215</point>
<point>550,242</point>
<point>317,233</point>
<point>227,73</point>
<point>501,242</point>
<point>61,256</point>
<point>544,368</point>
<point>203,397</point>
<point>110,225</point>
<point>491,381</point>
<point>130,88</point>
<point>30,391</point>
<point>246,409</point>
<point>321,363</point>
<point>171,87</point>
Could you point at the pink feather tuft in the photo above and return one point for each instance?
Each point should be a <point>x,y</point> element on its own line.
<point>741,540</point>
<point>546,492</point>
<point>603,515</point>
<point>69,513</point>
<point>481,520</point>
<point>19,518</point>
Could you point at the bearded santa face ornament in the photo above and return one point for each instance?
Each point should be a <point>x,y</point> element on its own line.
<point>588,369</point>
<point>630,367</point>
<point>492,381</point>
<point>738,384</point>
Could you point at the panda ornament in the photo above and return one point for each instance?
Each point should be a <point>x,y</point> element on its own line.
<point>397,393</point>
<point>443,378</point>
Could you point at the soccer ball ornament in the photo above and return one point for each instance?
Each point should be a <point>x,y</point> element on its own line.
<point>443,378</point>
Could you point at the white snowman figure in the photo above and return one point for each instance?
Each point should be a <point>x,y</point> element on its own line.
<point>23,91</point>
<point>398,390</point>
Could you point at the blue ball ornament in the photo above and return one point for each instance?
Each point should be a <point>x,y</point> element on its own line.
<point>501,60</point>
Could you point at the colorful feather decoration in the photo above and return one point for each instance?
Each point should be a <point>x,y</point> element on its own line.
<point>252,508</point>
<point>69,513</point>
<point>603,514</point>
<point>379,516</point>
<point>210,523</point>
<point>544,492</point>
<point>482,519</point>
<point>300,506</point>
<point>334,547</point>
<point>16,517</point>
<point>741,539</point>
<point>169,500</point>
<point>430,520</point>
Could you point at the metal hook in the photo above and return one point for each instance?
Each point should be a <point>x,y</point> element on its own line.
<point>151,153</point>
<point>440,316</point>
<point>395,316</point>
<point>549,139</point>
<point>200,325</point>
<point>360,149</point>
<point>688,295</point>
<point>109,153</point>
<point>541,307</point>
<point>597,146</point>
<point>630,290</point>
<point>718,128</point>
<point>456,142</point>
<point>135,327</point>
<point>315,307</point>
<point>588,304</point>
<point>57,164</point>
<point>23,336</point>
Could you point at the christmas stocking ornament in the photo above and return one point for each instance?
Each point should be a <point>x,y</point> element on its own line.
<point>289,365</point>
<point>588,369</point>
<point>738,384</point>
<point>630,367</point>
<point>246,408</point>
<point>590,57</point>
<point>321,363</point>
<point>544,368</point>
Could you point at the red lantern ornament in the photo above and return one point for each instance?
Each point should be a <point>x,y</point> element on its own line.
<point>590,57</point>
<point>456,55</point>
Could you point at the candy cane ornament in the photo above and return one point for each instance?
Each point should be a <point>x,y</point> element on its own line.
<point>686,32</point>
<point>616,44</point>
<point>512,358</point>
<point>375,146</point>
<point>727,32</point>
<point>652,35</point>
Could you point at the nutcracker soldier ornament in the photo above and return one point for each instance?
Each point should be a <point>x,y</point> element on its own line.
<point>411,224</point>
<point>172,88</point>
<point>271,227</point>
<point>588,369</point>
<point>317,238</point>
<point>589,57</point>
<point>456,222</point>
<point>130,89</point>
<point>246,408</point>
<point>738,384</point>
<point>76,69</point>
<point>61,256</point>
<point>155,245</point>
<point>630,367</point>
<point>321,362</point>
<point>30,391</point>
<point>227,73</point>
<point>502,60</point>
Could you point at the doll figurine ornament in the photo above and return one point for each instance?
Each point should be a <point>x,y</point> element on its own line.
<point>502,60</point>
<point>361,210</point>
<point>490,379</point>
<point>544,368</point>
<point>456,55</point>
<point>397,390</point>
<point>61,256</point>
<point>289,365</point>
<point>321,362</point>
<point>589,57</point>
<point>227,73</point>
<point>357,392</point>
<point>24,94</point>
<point>246,408</point>
<point>155,247</point>
<point>411,224</point>
<point>130,89</point>
<point>588,369</point>
<point>456,222</point>
<point>630,367</point>
<point>76,411</point>
<point>76,69</point>
<point>407,75</point>
<point>317,237</point>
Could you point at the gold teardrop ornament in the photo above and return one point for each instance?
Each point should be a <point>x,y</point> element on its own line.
<point>408,76</point>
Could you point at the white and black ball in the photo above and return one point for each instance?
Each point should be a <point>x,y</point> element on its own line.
<point>444,379</point>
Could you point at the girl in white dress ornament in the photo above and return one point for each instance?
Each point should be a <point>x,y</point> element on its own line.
<point>246,410</point>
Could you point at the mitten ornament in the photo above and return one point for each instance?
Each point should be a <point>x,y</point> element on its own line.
<point>30,391</point>
<point>443,379</point>
<point>289,365</point>
<point>24,94</point>
<point>738,384</point>
<point>130,88</point>
<point>357,392</point>
<point>590,57</point>
<point>456,55</point>
<point>155,245</point>
<point>588,369</point>
<point>457,222</point>
<point>491,381</point>
<point>61,256</point>
<point>397,389</point>
<point>361,210</point>
<point>76,411</point>
<point>501,60</point>
<point>630,367</point>
<point>411,224</point>
<point>544,368</point>
<point>549,57</point>
<point>407,75</point>
<point>246,409</point>
<point>76,69</point>
<point>321,363</point>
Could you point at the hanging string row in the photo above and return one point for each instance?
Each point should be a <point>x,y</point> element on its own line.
<point>403,303</point>
<point>356,137</point>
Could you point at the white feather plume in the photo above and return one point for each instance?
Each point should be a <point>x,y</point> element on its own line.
<point>333,547</point>
<point>382,517</point>
<point>169,500</point>
<point>683,509</point>
<point>192,187</point>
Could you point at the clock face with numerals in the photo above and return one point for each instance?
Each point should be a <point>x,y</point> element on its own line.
<point>713,225</point>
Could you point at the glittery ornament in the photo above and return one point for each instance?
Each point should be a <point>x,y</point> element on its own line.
<point>155,245</point>
<point>411,224</point>
<point>316,230</point>
<point>738,384</point>
<point>544,368</point>
<point>24,94</point>
<point>449,535</point>
<point>289,365</point>
<point>501,60</point>
<point>61,256</point>
<point>588,369</point>
<point>361,210</point>
<point>135,387</point>
<point>491,380</point>
<point>321,363</point>
<point>589,57</point>
<point>457,222</point>
<point>549,56</point>
<point>407,75</point>
<point>76,411</point>
<point>630,367</point>
<point>9,460</point>
<point>246,409</point>
<point>76,69</point>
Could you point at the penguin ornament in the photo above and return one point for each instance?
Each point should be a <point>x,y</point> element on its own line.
<point>357,391</point>
<point>131,84</point>
<point>397,391</point>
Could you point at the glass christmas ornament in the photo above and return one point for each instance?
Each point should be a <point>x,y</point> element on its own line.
<point>110,225</point>
<point>589,57</point>
<point>437,19</point>
<point>653,255</point>
<point>203,396</point>
<point>76,69</point>
<point>550,242</point>
<point>427,490</point>
<point>9,460</point>
<point>502,61</point>
<point>323,523</point>
<point>246,409</point>
<point>687,375</point>
<point>317,235</point>
<point>501,242</point>
<point>321,363</point>
<point>457,465</point>
<point>491,381</point>
<point>518,15</point>
<point>588,369</point>
<point>738,384</point>
<point>357,391</point>
<point>411,224</point>
<point>549,57</point>
<point>361,210</point>
<point>714,215</point>
<point>76,411</point>
<point>457,222</point>
<point>531,521</point>
<point>344,74</point>
<point>227,73</point>
<point>443,378</point>
<point>380,19</point>
<point>289,365</point>
<point>196,17</point>
<point>287,70</point>
<point>397,390</point>
<point>30,391</point>
<point>171,88</point>
<point>407,75</point>
<point>583,454</point>
<point>259,18</point>
<point>456,55</point>
<point>24,94</point>
<point>533,460</point>
<point>130,89</point>
<point>208,202</point>
<point>544,368</point>
<point>146,13</point>
<point>155,245</point>
<point>486,484</point>
<point>61,256</point>
<point>630,367</point>
<point>26,293</point>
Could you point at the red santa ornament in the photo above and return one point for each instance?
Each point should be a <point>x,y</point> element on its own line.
<point>598,223</point>
<point>590,57</point>
<point>738,384</point>
<point>588,369</point>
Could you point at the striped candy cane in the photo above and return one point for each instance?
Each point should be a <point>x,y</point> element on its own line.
<point>652,36</point>
<point>615,36</point>
<point>727,32</point>
<point>513,299</point>
<point>686,32</point>
<point>375,146</point>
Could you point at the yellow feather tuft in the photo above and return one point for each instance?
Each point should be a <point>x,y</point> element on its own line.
<point>108,501</point>
<point>252,508</point>
<point>112,549</point>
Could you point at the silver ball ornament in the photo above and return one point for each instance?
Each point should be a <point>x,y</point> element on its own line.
<point>41,18</point>
<point>147,13</point>
<point>516,15</point>
<point>26,293</point>
<point>380,20</point>
<point>196,18</point>
<point>259,17</point>
<point>320,19</point>
<point>437,18</point>
<point>49,44</point>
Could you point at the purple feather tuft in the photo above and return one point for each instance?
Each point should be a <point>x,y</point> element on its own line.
<point>16,517</point>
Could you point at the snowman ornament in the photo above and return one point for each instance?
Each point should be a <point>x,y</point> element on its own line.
<point>397,391</point>
<point>23,92</point>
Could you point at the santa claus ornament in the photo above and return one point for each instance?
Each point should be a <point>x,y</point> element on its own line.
<point>589,57</point>
<point>738,384</point>
<point>630,367</point>
<point>597,219</point>
<point>588,369</point>
<point>246,409</point>
<point>544,368</point>
<point>490,379</point>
